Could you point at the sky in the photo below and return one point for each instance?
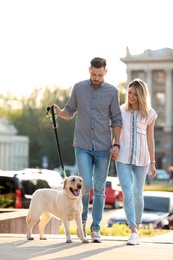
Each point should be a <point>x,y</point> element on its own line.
<point>48,42</point>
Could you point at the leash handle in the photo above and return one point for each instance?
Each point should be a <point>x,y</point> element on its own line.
<point>57,139</point>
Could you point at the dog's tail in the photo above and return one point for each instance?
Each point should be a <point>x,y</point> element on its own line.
<point>28,218</point>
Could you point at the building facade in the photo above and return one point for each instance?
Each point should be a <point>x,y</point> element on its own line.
<point>155,67</point>
<point>14,149</point>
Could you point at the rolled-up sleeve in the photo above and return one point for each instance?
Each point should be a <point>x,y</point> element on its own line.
<point>71,105</point>
<point>115,112</point>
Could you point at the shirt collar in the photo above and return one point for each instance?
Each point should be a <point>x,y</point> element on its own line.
<point>134,111</point>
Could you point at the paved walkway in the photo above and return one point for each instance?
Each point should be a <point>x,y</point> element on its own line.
<point>16,247</point>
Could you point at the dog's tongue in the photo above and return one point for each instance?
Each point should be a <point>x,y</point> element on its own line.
<point>76,192</point>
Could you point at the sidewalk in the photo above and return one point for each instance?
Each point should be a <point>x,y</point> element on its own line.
<point>15,246</point>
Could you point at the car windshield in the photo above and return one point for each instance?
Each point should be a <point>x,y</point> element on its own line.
<point>156,203</point>
<point>29,186</point>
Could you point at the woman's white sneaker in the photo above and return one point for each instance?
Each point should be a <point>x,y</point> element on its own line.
<point>133,239</point>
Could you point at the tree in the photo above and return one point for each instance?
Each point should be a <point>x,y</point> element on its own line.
<point>29,117</point>
<point>122,90</point>
<point>28,114</point>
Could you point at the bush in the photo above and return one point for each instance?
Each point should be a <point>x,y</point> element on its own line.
<point>5,201</point>
<point>119,230</point>
<point>159,186</point>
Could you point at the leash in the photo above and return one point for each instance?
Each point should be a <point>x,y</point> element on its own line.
<point>55,126</point>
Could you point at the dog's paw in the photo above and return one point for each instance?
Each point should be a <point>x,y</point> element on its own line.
<point>69,241</point>
<point>85,241</point>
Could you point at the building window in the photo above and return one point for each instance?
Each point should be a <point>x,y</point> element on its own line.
<point>159,77</point>
<point>160,99</point>
<point>138,74</point>
<point>160,108</point>
<point>159,93</point>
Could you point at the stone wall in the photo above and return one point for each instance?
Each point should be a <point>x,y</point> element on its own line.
<point>14,221</point>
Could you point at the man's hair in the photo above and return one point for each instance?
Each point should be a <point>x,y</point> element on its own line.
<point>98,63</point>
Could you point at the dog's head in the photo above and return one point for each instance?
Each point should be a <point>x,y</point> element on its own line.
<point>73,186</point>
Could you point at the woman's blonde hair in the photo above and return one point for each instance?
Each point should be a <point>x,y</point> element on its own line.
<point>143,96</point>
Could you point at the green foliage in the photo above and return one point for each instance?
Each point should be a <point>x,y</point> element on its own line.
<point>159,186</point>
<point>122,92</point>
<point>28,116</point>
<point>118,230</point>
<point>5,201</point>
<point>115,230</point>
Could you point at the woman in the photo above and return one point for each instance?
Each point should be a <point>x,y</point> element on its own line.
<point>136,152</point>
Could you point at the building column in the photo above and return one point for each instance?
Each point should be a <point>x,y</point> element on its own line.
<point>168,101</point>
<point>1,156</point>
<point>129,77</point>
<point>149,81</point>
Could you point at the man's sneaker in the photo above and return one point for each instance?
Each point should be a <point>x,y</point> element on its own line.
<point>133,239</point>
<point>95,237</point>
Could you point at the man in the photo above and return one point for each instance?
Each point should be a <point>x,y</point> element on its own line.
<point>97,106</point>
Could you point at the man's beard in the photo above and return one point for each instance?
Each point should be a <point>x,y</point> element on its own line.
<point>96,83</point>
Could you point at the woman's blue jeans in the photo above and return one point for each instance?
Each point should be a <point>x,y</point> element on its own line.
<point>132,180</point>
<point>93,168</point>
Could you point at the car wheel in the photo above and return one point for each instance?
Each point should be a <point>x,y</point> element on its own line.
<point>116,204</point>
<point>166,227</point>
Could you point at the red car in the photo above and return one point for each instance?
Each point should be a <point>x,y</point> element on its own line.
<point>113,193</point>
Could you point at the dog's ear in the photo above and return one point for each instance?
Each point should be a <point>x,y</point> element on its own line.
<point>64,184</point>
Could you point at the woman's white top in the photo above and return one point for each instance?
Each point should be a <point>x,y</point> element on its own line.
<point>133,139</point>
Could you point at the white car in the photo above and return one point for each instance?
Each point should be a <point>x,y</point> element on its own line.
<point>16,188</point>
<point>69,169</point>
<point>53,178</point>
<point>158,205</point>
<point>162,175</point>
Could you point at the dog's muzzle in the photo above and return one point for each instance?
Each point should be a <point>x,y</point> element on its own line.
<point>76,192</point>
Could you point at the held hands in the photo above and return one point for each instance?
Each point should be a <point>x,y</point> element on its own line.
<point>114,152</point>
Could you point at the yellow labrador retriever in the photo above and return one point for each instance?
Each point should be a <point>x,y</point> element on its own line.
<point>65,205</point>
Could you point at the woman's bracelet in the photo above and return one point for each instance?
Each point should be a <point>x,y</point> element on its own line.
<point>152,162</point>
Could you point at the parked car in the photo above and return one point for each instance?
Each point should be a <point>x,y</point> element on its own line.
<point>16,190</point>
<point>17,187</point>
<point>113,193</point>
<point>53,178</point>
<point>170,220</point>
<point>158,205</point>
<point>69,169</point>
<point>162,175</point>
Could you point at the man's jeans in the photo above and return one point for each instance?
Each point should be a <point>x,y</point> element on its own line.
<point>93,168</point>
<point>132,180</point>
